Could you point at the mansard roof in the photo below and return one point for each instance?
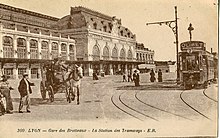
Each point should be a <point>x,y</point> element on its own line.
<point>83,17</point>
<point>19,10</point>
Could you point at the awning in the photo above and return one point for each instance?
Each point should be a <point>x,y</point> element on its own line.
<point>146,66</point>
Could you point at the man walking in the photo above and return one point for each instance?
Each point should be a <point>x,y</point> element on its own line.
<point>5,91</point>
<point>152,76</point>
<point>24,89</point>
<point>124,77</point>
<point>160,76</point>
<point>136,78</point>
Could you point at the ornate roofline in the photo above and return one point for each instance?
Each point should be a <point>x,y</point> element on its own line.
<point>19,10</point>
<point>92,12</point>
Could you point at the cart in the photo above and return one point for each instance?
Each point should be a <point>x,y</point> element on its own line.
<point>53,82</point>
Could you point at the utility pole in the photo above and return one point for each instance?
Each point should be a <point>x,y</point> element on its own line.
<point>175,32</point>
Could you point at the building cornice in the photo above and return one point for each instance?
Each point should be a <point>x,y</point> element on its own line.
<point>19,10</point>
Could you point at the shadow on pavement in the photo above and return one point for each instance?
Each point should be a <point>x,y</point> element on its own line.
<point>40,101</point>
<point>57,101</point>
<point>169,85</point>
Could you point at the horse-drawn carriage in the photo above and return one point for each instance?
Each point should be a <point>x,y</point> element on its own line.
<point>56,79</point>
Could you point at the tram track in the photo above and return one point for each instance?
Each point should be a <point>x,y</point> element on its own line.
<point>133,112</point>
<point>208,96</point>
<point>162,110</point>
<point>184,101</point>
<point>114,103</point>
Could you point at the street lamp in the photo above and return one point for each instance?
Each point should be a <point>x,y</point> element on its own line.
<point>175,32</point>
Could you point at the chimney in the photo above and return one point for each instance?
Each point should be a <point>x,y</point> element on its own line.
<point>211,50</point>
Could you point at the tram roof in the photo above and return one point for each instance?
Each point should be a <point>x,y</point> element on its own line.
<point>192,42</point>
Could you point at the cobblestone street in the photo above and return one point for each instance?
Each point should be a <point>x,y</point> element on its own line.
<point>109,99</point>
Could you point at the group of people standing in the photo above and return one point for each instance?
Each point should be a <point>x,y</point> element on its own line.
<point>132,77</point>
<point>152,76</point>
<point>24,89</point>
<point>136,77</point>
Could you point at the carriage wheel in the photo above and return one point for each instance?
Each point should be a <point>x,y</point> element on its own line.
<point>42,90</point>
<point>51,93</point>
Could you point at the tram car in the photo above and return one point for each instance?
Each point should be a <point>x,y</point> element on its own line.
<point>197,66</point>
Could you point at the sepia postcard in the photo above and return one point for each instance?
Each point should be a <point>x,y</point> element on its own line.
<point>108,68</point>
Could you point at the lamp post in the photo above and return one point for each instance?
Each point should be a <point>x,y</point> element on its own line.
<point>175,32</point>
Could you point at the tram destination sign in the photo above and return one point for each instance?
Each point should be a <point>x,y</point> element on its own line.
<point>196,45</point>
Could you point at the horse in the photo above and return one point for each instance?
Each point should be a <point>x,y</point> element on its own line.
<point>72,77</point>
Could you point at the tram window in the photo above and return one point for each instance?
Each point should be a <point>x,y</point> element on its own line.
<point>192,62</point>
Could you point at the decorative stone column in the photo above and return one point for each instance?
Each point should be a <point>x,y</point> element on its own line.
<point>68,49</point>
<point>39,48</point>
<point>101,67</point>
<point>1,40</point>
<point>119,67</point>
<point>50,49</point>
<point>88,70</point>
<point>28,48</point>
<point>29,70</point>
<point>59,46</point>
<point>67,52</point>
<point>15,71</point>
<point>126,68</point>
<point>111,69</point>
<point>15,46</point>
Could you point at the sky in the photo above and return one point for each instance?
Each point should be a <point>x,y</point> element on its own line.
<point>203,14</point>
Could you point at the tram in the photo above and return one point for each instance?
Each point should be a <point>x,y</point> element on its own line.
<point>197,66</point>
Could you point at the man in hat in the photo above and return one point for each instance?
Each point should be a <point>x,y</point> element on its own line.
<point>24,89</point>
<point>5,91</point>
<point>136,78</point>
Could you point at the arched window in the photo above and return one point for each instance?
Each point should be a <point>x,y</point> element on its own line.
<point>54,50</point>
<point>96,53</point>
<point>95,25</point>
<point>21,48</point>
<point>122,54</point>
<point>63,51</point>
<point>114,53</point>
<point>129,54</point>
<point>121,32</point>
<point>137,56</point>
<point>8,47</point>
<point>140,56</point>
<point>71,51</point>
<point>33,49</point>
<point>105,53</point>
<point>44,50</point>
<point>105,28</point>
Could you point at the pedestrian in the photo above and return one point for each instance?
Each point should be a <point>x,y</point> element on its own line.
<point>129,77</point>
<point>25,90</point>
<point>75,81</point>
<point>160,76</point>
<point>5,91</point>
<point>136,78</point>
<point>152,76</point>
<point>124,77</point>
<point>2,107</point>
<point>94,75</point>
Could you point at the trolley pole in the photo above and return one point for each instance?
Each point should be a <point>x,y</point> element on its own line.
<point>174,26</point>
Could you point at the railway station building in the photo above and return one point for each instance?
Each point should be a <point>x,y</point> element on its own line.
<point>98,41</point>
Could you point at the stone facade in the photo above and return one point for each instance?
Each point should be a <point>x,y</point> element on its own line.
<point>144,54</point>
<point>96,40</point>
<point>101,40</point>
<point>28,39</point>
